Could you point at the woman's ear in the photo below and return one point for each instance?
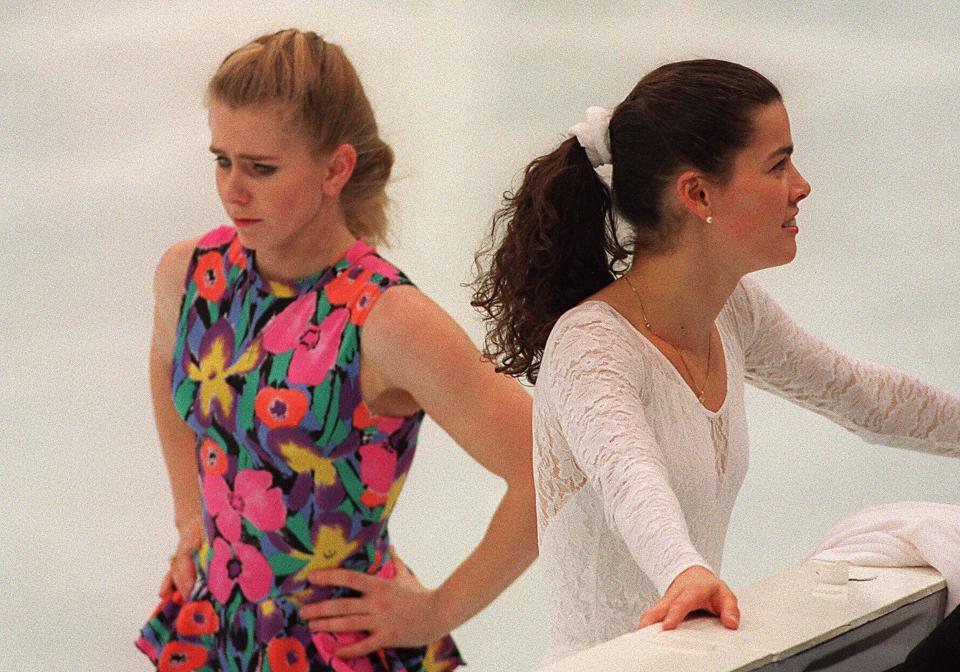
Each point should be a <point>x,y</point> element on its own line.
<point>340,164</point>
<point>693,193</point>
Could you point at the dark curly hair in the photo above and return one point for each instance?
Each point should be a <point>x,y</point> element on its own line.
<point>555,241</point>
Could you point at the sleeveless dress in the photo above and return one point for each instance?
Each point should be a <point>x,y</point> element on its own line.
<point>296,473</point>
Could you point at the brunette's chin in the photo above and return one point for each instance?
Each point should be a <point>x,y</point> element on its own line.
<point>790,253</point>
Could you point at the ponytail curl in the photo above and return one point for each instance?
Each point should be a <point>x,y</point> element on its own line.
<point>552,244</point>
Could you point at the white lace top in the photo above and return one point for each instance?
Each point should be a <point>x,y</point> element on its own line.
<point>636,479</point>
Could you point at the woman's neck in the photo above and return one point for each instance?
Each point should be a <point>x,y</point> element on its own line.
<point>679,292</point>
<point>300,256</point>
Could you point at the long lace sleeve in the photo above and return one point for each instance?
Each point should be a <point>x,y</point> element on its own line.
<point>593,381</point>
<point>878,403</point>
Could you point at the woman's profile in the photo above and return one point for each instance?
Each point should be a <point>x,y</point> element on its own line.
<point>629,306</point>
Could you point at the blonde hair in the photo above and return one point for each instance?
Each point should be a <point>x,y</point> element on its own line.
<point>320,96</point>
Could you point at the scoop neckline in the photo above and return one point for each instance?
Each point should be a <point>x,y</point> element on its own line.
<point>669,365</point>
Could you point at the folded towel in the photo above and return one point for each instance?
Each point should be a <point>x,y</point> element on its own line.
<point>902,534</point>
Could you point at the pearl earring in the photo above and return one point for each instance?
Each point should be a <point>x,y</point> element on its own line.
<point>709,219</point>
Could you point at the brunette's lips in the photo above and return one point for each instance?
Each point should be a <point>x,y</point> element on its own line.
<point>792,223</point>
<point>244,222</point>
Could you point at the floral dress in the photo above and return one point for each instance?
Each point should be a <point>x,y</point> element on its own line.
<point>296,473</point>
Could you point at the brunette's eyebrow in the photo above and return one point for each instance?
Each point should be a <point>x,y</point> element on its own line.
<point>248,157</point>
<point>786,150</point>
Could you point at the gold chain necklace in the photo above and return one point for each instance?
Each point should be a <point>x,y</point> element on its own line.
<point>646,323</point>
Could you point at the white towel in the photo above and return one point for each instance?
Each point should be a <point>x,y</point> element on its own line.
<point>902,534</point>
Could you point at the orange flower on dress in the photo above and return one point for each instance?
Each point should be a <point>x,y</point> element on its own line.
<point>362,304</point>
<point>363,418</point>
<point>209,276</point>
<point>197,618</point>
<point>235,253</point>
<point>181,657</point>
<point>343,290</point>
<point>287,654</point>
<point>213,458</point>
<point>279,407</point>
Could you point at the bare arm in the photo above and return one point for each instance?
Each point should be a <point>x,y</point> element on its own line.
<point>177,439</point>
<point>414,346</point>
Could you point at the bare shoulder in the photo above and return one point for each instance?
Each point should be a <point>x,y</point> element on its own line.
<point>406,332</point>
<point>168,282</point>
<point>172,269</point>
<point>403,311</point>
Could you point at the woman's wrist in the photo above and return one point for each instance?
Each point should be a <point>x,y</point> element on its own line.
<point>191,531</point>
<point>446,609</point>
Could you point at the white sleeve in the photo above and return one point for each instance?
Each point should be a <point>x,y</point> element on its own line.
<point>594,382</point>
<point>878,403</point>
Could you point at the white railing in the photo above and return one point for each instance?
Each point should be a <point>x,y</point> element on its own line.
<point>800,617</point>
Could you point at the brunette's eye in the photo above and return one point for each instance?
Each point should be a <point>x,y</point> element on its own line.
<point>264,169</point>
<point>781,164</point>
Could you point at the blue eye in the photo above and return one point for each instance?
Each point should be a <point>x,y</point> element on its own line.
<point>221,161</point>
<point>264,169</point>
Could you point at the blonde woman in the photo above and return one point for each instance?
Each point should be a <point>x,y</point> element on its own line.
<point>291,367</point>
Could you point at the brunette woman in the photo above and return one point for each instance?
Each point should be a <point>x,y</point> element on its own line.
<point>630,308</point>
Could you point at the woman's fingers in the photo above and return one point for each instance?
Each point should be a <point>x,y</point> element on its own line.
<point>343,606</point>
<point>655,613</point>
<point>683,604</point>
<point>696,588</point>
<point>339,624</point>
<point>727,609</point>
<point>183,573</point>
<point>345,578</point>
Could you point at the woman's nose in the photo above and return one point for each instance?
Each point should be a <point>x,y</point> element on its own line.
<point>801,188</point>
<point>236,191</point>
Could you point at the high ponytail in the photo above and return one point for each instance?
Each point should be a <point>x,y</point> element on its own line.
<point>552,244</point>
<point>555,241</point>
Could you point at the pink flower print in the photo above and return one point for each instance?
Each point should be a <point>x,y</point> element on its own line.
<point>378,466</point>
<point>327,644</point>
<point>315,346</point>
<point>217,237</point>
<point>238,563</point>
<point>251,497</point>
<point>382,268</point>
<point>358,251</point>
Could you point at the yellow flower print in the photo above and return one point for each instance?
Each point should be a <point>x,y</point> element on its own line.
<point>330,548</point>
<point>304,459</point>
<point>216,351</point>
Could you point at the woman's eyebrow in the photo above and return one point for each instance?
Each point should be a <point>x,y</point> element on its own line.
<point>249,157</point>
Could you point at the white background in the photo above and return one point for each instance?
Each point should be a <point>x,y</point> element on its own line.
<point>104,164</point>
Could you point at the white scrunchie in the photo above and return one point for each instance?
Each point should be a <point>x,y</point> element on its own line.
<point>594,135</point>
